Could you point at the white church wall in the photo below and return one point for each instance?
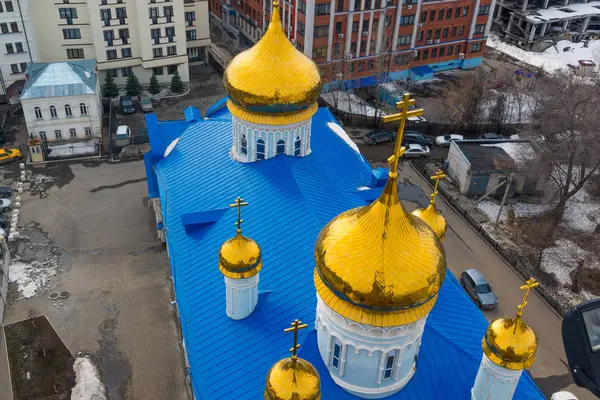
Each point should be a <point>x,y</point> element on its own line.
<point>241,296</point>
<point>494,382</point>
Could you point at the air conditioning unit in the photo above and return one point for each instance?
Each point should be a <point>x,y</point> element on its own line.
<point>339,77</point>
<point>436,41</point>
<point>409,7</point>
<point>429,41</point>
<point>420,25</point>
<point>415,54</point>
<point>365,33</point>
<point>461,56</point>
<point>348,56</point>
<point>340,35</point>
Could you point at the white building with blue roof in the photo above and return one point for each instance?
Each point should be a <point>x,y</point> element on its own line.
<point>62,107</point>
<point>381,317</point>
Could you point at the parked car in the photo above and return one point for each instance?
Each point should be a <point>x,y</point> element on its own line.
<point>145,103</point>
<point>479,289</point>
<point>5,205</point>
<point>490,135</point>
<point>379,136</point>
<point>445,140</point>
<point>416,138</point>
<point>416,151</point>
<point>126,105</point>
<point>8,155</point>
<point>3,221</point>
<point>5,192</point>
<point>416,119</point>
<point>123,136</point>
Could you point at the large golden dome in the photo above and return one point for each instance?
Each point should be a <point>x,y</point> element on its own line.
<point>272,76</point>
<point>378,264</point>
<point>510,343</point>
<point>240,257</point>
<point>293,379</point>
<point>433,219</point>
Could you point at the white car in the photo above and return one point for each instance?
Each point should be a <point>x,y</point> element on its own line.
<point>445,140</point>
<point>5,205</point>
<point>123,136</point>
<point>416,151</point>
<point>416,119</point>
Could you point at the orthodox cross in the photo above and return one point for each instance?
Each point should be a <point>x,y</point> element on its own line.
<point>439,174</point>
<point>402,116</point>
<point>296,326</point>
<point>530,284</point>
<point>239,203</point>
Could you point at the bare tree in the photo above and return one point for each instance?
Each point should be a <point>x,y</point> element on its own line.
<point>572,256</point>
<point>462,99</point>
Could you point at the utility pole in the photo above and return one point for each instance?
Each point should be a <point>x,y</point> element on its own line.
<point>508,182</point>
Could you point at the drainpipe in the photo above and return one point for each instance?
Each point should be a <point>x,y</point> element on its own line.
<point>25,31</point>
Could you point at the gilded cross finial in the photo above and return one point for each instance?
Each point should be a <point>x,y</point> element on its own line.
<point>439,174</point>
<point>239,203</point>
<point>296,326</point>
<point>529,284</point>
<point>402,116</point>
<point>275,3</point>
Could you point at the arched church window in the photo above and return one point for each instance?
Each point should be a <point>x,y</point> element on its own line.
<point>260,149</point>
<point>244,145</point>
<point>280,146</point>
<point>389,365</point>
<point>337,353</point>
<point>297,144</point>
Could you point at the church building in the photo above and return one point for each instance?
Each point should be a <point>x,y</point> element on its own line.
<point>271,217</point>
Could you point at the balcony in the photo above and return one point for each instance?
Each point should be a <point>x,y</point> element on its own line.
<point>114,21</point>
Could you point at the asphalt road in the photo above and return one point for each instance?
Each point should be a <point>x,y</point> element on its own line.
<point>465,249</point>
<point>381,151</point>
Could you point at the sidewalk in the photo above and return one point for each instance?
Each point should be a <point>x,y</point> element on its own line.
<point>5,384</point>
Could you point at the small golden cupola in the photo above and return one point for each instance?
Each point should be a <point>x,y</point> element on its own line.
<point>429,214</point>
<point>240,261</point>
<point>293,378</point>
<point>378,264</point>
<point>509,342</point>
<point>272,83</point>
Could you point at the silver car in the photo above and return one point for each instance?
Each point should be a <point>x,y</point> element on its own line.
<point>479,289</point>
<point>416,151</point>
<point>5,205</point>
<point>145,103</point>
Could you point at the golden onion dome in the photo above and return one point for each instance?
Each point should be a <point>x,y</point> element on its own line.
<point>378,264</point>
<point>510,343</point>
<point>433,219</point>
<point>293,379</point>
<point>240,257</point>
<point>272,76</point>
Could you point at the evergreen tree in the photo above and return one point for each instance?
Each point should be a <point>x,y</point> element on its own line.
<point>154,87</point>
<point>133,87</point>
<point>176,83</point>
<point>109,88</point>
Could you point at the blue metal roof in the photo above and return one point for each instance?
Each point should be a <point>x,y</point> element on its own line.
<point>69,78</point>
<point>290,199</point>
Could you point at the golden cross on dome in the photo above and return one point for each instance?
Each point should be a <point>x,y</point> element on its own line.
<point>530,284</point>
<point>296,326</point>
<point>239,203</point>
<point>439,174</point>
<point>402,116</point>
<point>275,3</point>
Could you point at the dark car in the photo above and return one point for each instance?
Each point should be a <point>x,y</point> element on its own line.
<point>379,136</point>
<point>126,105</point>
<point>490,136</point>
<point>3,221</point>
<point>5,192</point>
<point>414,137</point>
<point>479,289</point>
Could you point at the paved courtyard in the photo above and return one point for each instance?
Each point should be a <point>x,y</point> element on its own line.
<point>93,219</point>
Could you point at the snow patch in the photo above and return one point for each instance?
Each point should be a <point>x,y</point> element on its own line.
<point>88,385</point>
<point>522,210</point>
<point>350,103</point>
<point>561,259</point>
<point>343,135</point>
<point>87,148</point>
<point>518,151</point>
<point>31,279</point>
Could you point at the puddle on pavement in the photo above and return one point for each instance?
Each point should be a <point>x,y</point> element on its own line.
<point>116,371</point>
<point>413,193</point>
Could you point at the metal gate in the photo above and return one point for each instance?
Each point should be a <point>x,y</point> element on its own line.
<point>478,185</point>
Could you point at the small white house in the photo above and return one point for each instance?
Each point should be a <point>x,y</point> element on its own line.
<point>62,108</point>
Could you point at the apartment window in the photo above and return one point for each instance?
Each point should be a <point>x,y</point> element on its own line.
<point>355,26</point>
<point>171,50</point>
<point>423,16</point>
<point>476,47</point>
<point>453,31</point>
<point>58,134</point>
<point>158,71</point>
<point>425,54</point>
<point>83,109</point>
<point>320,52</point>
<point>480,28</point>
<point>340,7</point>
<point>420,36</point>
<point>9,6</point>
<point>14,68</point>
<point>437,34</point>
<point>190,17</point>
<point>432,15</point>
<point>38,113</point>
<point>109,36</point>
<point>441,15</point>
<point>23,66</point>
<point>126,52</point>
<point>53,113</point>
<point>112,73</point>
<point>170,33</point>
<point>125,71</point>
<point>111,54</point>
<point>337,353</point>
<point>88,131</point>
<point>445,33</point>
<point>449,13</point>
<point>442,50</point>
<point>302,6</point>
<point>457,12</point>
<point>407,19</point>
<point>73,54</point>
<point>153,11</point>
<point>352,50</point>
<point>465,11</point>
<point>168,13</point>
<point>9,48</point>
<point>450,48</point>
<point>157,52</point>
<point>4,28</point>
<point>68,111</point>
<point>322,9</point>
<point>484,10</point>
<point>190,34</point>
<point>121,14</point>
<point>338,27</point>
<point>171,69</point>
<point>458,48</point>
<point>14,27</point>
<point>461,30</point>
<point>74,33</point>
<point>72,133</point>
<point>433,53</point>
<point>389,365</point>
<point>155,34</point>
<point>388,20</point>
<point>68,13</point>
<point>323,31</point>
<point>43,136</point>
<point>404,39</point>
<point>1,9</point>
<point>105,16</point>
<point>428,35</point>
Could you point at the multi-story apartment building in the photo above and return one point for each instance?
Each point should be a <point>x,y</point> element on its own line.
<point>366,41</point>
<point>17,45</point>
<point>143,36</point>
